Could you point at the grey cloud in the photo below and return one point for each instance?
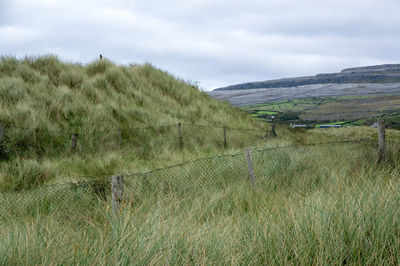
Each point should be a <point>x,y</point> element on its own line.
<point>216,42</point>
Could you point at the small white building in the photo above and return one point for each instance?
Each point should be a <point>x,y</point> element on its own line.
<point>296,126</point>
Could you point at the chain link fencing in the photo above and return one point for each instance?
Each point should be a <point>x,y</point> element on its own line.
<point>273,168</point>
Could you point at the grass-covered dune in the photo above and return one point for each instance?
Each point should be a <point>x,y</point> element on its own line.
<point>311,204</point>
<point>46,93</point>
<point>44,100</point>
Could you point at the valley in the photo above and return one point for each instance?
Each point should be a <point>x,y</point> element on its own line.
<point>346,110</point>
<point>351,97</point>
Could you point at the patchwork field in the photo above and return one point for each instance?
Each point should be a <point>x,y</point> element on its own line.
<point>350,110</point>
<point>348,104</point>
<point>353,109</point>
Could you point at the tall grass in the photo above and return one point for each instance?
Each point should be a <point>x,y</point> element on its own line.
<point>325,204</point>
<point>46,93</point>
<point>316,204</point>
<point>43,101</point>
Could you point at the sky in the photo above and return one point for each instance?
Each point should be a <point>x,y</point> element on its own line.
<point>212,43</point>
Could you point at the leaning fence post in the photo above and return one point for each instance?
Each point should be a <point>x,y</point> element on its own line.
<point>117,191</point>
<point>1,132</point>
<point>250,165</point>
<point>180,135</point>
<point>119,138</point>
<point>224,129</point>
<point>381,140</point>
<point>74,141</point>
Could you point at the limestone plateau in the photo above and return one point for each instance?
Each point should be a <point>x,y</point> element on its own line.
<point>388,73</point>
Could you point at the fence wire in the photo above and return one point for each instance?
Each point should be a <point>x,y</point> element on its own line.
<point>273,167</point>
<point>50,199</point>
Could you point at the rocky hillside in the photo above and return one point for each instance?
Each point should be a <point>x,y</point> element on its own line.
<point>370,74</point>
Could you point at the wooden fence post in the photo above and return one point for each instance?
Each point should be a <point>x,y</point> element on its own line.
<point>1,132</point>
<point>381,140</point>
<point>180,135</point>
<point>250,165</point>
<point>74,142</point>
<point>224,129</point>
<point>119,138</point>
<point>117,192</point>
<point>273,132</point>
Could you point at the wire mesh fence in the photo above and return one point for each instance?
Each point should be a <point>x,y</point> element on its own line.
<point>273,168</point>
<point>268,165</point>
<point>59,198</point>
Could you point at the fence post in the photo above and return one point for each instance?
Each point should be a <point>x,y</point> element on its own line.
<point>381,140</point>
<point>119,138</point>
<point>74,141</point>
<point>117,192</point>
<point>273,132</point>
<point>1,132</point>
<point>250,165</point>
<point>224,129</point>
<point>180,135</point>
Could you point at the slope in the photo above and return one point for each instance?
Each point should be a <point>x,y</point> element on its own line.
<point>44,101</point>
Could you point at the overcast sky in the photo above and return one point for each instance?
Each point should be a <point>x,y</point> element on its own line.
<point>213,42</point>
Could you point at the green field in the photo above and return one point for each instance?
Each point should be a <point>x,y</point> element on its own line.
<point>319,196</point>
<point>346,110</point>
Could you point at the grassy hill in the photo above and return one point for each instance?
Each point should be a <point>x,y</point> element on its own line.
<point>311,203</point>
<point>44,101</point>
<point>46,93</point>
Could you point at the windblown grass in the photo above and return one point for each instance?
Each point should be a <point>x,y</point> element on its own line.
<point>315,204</point>
<point>324,204</point>
<point>46,93</point>
<point>43,101</point>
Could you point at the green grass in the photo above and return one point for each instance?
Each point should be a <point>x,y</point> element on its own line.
<point>44,101</point>
<point>391,121</point>
<point>267,113</point>
<point>339,123</point>
<point>354,108</point>
<point>314,204</point>
<point>327,204</point>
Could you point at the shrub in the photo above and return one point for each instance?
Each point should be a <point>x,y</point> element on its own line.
<point>287,116</point>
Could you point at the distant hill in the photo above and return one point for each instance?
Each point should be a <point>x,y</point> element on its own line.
<point>388,73</point>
